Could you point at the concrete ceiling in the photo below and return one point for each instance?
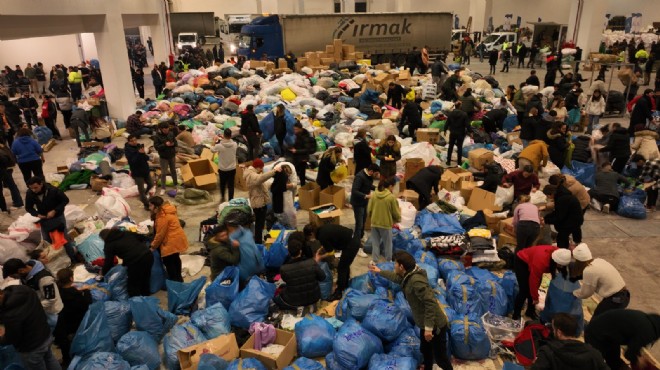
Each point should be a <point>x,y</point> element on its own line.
<point>14,27</point>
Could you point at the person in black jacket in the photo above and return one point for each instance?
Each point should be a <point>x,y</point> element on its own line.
<point>528,126</point>
<point>412,59</point>
<point>631,328</point>
<point>251,131</point>
<point>423,181</point>
<point>280,126</point>
<point>395,94</point>
<point>493,120</point>
<point>361,151</point>
<point>336,238</point>
<point>303,147</point>
<point>642,112</point>
<point>49,114</point>
<point>165,144</point>
<point>363,185</point>
<point>566,352</point>
<point>329,161</point>
<point>533,79</point>
<point>26,328</point>
<point>618,146</point>
<point>158,80</point>
<point>138,80</point>
<point>544,124</point>
<point>557,139</point>
<point>567,215</point>
<point>493,56</point>
<point>458,124</point>
<point>76,302</point>
<point>138,161</point>
<point>29,107</point>
<point>412,115</point>
<point>301,276</point>
<point>47,202</point>
<point>135,255</point>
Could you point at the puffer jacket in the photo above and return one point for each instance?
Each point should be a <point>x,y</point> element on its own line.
<point>578,190</point>
<point>557,146</point>
<point>537,153</point>
<point>582,151</point>
<point>302,278</point>
<point>258,193</point>
<point>596,108</point>
<point>618,144</point>
<point>645,144</point>
<point>170,237</point>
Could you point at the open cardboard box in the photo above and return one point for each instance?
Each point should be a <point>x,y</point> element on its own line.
<point>466,189</point>
<point>492,221</point>
<point>239,180</point>
<point>284,338</point>
<point>412,166</point>
<point>451,178</point>
<point>480,157</point>
<point>481,199</point>
<point>333,194</point>
<point>319,219</point>
<point>308,195</point>
<point>429,135</point>
<point>412,197</point>
<point>224,346</point>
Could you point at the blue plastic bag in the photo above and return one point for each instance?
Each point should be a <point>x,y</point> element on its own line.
<point>466,299</point>
<point>362,284</point>
<point>103,360</point>
<point>326,284</point>
<point>304,363</point>
<point>43,134</point>
<point>636,193</point>
<point>267,126</point>
<point>392,362</point>
<point>433,224</point>
<point>212,321</point>
<point>93,334</point>
<point>331,362</point>
<point>385,319</point>
<point>468,339</point>
<point>117,280</point>
<point>426,257</point>
<point>585,173</point>
<point>431,273</point>
<point>139,348</point>
<point>100,291</point>
<point>149,317</point>
<point>457,277</point>
<point>275,256</point>
<point>180,337</point>
<point>209,361</point>
<point>354,304</point>
<point>405,241</point>
<point>481,274</point>
<point>510,284</point>
<point>119,318</point>
<point>92,248</point>
<point>9,358</point>
<point>436,106</point>
<point>510,123</point>
<point>158,274</point>
<point>314,336</point>
<point>401,301</point>
<point>631,207</point>
<point>407,345</point>
<point>251,305</point>
<point>445,266</point>
<point>560,298</point>
<point>246,364</point>
<point>379,281</point>
<point>251,262</point>
<point>224,288</point>
<point>494,297</point>
<point>182,296</point>
<point>354,346</point>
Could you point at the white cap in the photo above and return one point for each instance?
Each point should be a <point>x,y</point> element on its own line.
<point>562,257</point>
<point>582,253</point>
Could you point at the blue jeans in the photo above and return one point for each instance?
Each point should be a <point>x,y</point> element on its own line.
<point>593,122</point>
<point>360,220</point>
<point>40,358</point>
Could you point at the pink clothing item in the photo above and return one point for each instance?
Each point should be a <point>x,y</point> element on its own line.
<point>526,212</point>
<point>264,334</point>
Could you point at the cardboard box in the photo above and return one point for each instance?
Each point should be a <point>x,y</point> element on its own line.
<point>348,49</point>
<point>480,157</point>
<point>308,196</point>
<point>429,135</point>
<point>284,338</point>
<point>412,197</point>
<point>383,78</point>
<point>270,66</point>
<point>97,183</point>
<point>452,177</point>
<point>466,189</point>
<point>63,170</point>
<point>201,173</point>
<point>337,44</point>
<point>514,137</point>
<point>93,144</point>
<point>360,55</point>
<point>49,145</point>
<point>404,75</point>
<point>281,63</point>
<point>333,194</point>
<point>481,199</point>
<point>492,222</point>
<point>504,239</point>
<point>121,162</point>
<point>412,166</point>
<point>329,49</point>
<point>506,226</point>
<point>254,64</point>
<point>383,67</point>
<point>319,219</point>
<point>350,56</point>
<point>239,180</point>
<point>224,346</point>
<point>327,61</point>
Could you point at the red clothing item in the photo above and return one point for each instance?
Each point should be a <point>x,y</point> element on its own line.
<point>538,260</point>
<point>632,103</point>
<point>521,184</point>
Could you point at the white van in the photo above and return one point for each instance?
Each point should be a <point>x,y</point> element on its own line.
<point>496,39</point>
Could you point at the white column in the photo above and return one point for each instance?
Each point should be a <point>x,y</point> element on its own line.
<point>113,56</point>
<point>591,26</point>
<point>479,10</point>
<point>573,22</point>
<point>161,37</point>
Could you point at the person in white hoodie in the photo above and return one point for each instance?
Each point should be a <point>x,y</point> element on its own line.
<point>595,109</point>
<point>226,149</point>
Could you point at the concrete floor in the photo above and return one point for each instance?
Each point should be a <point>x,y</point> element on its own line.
<point>628,244</point>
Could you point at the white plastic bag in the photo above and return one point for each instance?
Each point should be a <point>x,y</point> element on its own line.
<point>503,196</point>
<point>21,229</point>
<point>408,213</point>
<point>9,249</point>
<point>112,205</point>
<point>538,197</point>
<point>131,191</point>
<point>73,214</point>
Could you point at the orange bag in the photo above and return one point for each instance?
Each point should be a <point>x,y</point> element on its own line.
<point>58,239</point>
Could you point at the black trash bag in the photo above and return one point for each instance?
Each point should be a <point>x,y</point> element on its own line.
<point>322,95</point>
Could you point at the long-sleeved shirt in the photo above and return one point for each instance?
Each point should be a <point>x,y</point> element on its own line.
<point>526,212</point>
<point>651,172</point>
<point>600,277</point>
<point>538,261</point>
<point>521,184</point>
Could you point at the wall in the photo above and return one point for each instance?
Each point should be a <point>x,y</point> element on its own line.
<point>557,12</point>
<point>89,46</point>
<point>48,50</point>
<point>219,7</point>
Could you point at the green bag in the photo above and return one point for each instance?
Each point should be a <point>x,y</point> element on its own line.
<point>438,124</point>
<point>229,124</point>
<point>569,155</point>
<point>320,144</point>
<point>476,124</point>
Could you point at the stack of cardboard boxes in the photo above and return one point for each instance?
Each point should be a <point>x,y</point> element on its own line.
<point>337,52</point>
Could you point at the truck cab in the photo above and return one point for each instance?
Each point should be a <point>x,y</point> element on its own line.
<point>262,36</point>
<point>230,30</point>
<point>188,40</point>
<point>496,39</point>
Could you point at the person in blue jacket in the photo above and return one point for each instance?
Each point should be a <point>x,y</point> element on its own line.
<point>29,154</point>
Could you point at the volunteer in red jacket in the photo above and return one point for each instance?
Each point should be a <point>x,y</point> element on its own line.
<point>530,265</point>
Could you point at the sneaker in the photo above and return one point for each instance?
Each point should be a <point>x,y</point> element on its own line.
<point>606,208</point>
<point>162,192</point>
<point>596,205</point>
<point>362,254</point>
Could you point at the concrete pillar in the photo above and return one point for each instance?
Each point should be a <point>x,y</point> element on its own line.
<point>161,37</point>
<point>590,26</point>
<point>479,10</point>
<point>113,56</point>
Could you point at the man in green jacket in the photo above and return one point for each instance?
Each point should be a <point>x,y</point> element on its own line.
<point>425,308</point>
<point>222,252</point>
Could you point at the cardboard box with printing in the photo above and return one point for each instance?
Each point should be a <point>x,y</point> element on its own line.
<point>308,196</point>
<point>480,157</point>
<point>451,178</point>
<point>324,214</point>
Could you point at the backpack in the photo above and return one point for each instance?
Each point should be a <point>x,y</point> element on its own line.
<point>528,341</point>
<point>7,158</point>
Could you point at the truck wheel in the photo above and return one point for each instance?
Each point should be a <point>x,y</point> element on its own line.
<point>400,59</point>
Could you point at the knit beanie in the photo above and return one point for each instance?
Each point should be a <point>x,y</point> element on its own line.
<point>582,253</point>
<point>562,257</point>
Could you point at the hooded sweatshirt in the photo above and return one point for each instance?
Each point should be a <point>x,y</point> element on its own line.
<point>170,237</point>
<point>568,355</point>
<point>26,326</point>
<point>226,150</point>
<point>43,282</point>
<point>26,149</point>
<point>383,209</point>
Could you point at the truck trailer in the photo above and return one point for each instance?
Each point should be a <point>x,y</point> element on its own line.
<point>385,37</point>
<point>191,30</point>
